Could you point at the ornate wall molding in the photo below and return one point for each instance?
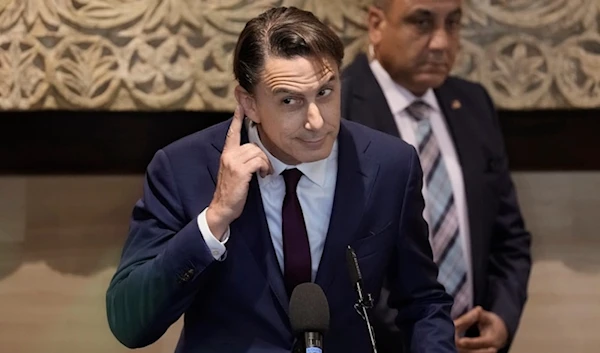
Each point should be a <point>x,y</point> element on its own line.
<point>534,54</point>
<point>176,54</point>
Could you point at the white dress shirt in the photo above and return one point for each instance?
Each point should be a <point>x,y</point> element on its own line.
<point>399,98</point>
<point>315,190</point>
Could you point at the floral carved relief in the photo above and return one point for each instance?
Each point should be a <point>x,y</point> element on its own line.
<point>176,54</point>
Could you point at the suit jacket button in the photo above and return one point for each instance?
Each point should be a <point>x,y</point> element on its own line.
<point>187,275</point>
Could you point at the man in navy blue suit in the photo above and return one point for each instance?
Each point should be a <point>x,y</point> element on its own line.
<point>477,232</point>
<point>233,217</point>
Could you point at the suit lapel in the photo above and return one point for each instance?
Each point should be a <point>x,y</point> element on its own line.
<point>259,242</point>
<point>252,226</point>
<point>368,101</point>
<point>469,154</point>
<point>355,177</point>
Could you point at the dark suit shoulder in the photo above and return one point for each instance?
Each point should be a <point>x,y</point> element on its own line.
<point>461,82</point>
<point>199,140</point>
<point>192,152</point>
<point>470,90</point>
<point>357,66</point>
<point>381,146</point>
<point>357,73</point>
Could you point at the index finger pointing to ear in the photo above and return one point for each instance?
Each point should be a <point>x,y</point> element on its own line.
<point>234,133</point>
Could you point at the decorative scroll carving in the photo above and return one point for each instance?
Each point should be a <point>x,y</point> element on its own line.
<point>176,54</point>
<point>517,71</point>
<point>534,54</point>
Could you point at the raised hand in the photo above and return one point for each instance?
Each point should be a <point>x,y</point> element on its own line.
<point>238,164</point>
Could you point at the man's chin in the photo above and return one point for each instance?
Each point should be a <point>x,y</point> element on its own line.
<point>315,156</point>
<point>430,80</point>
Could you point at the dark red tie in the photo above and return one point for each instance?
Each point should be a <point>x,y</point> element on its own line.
<point>296,249</point>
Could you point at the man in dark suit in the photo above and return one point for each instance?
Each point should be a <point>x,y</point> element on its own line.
<point>232,218</point>
<point>477,232</point>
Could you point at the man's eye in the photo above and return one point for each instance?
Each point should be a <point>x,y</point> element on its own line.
<point>454,24</point>
<point>424,24</point>
<point>289,101</point>
<point>325,92</point>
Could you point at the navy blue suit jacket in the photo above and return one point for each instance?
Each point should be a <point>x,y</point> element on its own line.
<point>240,304</point>
<point>500,244</point>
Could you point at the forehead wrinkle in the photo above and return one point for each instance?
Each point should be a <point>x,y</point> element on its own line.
<point>292,80</point>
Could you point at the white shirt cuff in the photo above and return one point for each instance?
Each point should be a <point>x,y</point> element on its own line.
<point>217,248</point>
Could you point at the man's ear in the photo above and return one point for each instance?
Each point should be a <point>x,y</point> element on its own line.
<point>375,24</point>
<point>248,102</point>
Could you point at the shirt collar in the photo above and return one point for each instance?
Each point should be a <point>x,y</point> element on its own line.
<point>315,171</point>
<point>398,97</point>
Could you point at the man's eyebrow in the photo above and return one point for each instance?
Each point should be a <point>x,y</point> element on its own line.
<point>420,13</point>
<point>331,79</point>
<point>457,12</point>
<point>284,90</point>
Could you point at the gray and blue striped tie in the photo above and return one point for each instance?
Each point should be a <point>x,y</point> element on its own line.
<point>443,217</point>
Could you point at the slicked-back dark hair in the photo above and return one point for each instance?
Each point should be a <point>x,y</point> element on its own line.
<point>284,32</point>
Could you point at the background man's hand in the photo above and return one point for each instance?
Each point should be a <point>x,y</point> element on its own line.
<point>238,164</point>
<point>492,332</point>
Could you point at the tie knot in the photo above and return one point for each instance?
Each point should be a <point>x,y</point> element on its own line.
<point>418,110</point>
<point>291,178</point>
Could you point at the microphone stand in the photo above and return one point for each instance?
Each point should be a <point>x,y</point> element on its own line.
<point>361,307</point>
<point>363,303</point>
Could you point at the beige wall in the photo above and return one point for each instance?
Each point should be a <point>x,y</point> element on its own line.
<point>60,238</point>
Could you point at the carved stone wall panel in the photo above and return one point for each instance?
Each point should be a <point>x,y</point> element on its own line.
<point>539,54</point>
<point>176,54</point>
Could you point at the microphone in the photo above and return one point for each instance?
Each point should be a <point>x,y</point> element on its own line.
<point>364,302</point>
<point>309,316</point>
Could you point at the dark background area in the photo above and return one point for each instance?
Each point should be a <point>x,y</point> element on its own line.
<point>106,142</point>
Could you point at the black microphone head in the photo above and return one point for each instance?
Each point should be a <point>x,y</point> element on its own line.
<point>309,310</point>
<point>353,269</point>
